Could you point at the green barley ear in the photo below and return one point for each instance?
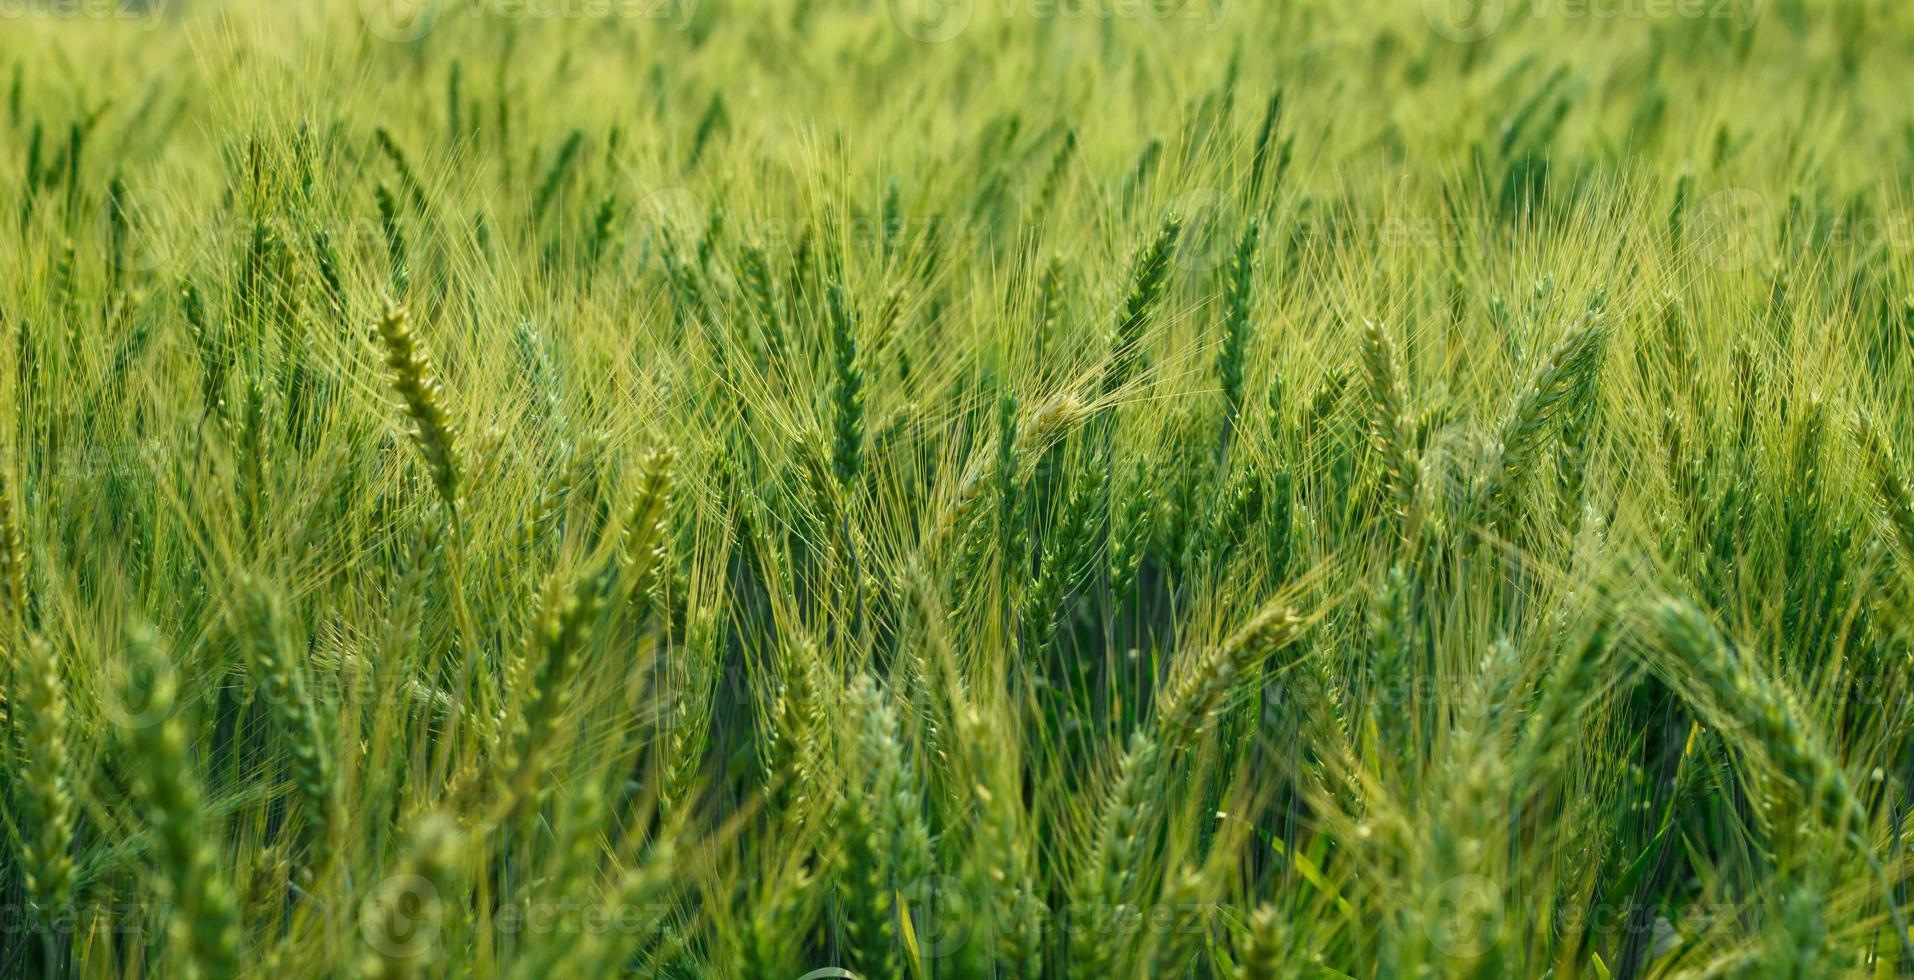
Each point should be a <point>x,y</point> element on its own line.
<point>555,174</point>
<point>643,888</point>
<point>761,290</point>
<point>884,843</point>
<point>64,282</point>
<point>893,218</point>
<point>714,119</point>
<point>1389,419</point>
<point>40,709</point>
<point>1268,151</point>
<point>1323,403</point>
<point>557,642</point>
<point>1678,213</point>
<point>118,229</point>
<point>404,912</point>
<point>269,655</point>
<point>1054,175</point>
<point>1578,436</point>
<point>13,552</point>
<point>1890,486</point>
<point>1238,510</point>
<point>1007,469</point>
<point>777,921</point>
<point>454,102</point>
<point>1105,885</point>
<point>641,546</point>
<point>417,383</point>
<point>395,249</point>
<point>578,830</point>
<point>214,358</point>
<point>847,391</point>
<point>76,135</point>
<point>997,866</point>
<point>205,920</point>
<point>1550,389</point>
<point>604,223</point>
<point>1262,957</point>
<point>1142,169</point>
<point>1186,900</point>
<point>1237,327</point>
<point>548,515</point>
<point>1131,528</point>
<point>1194,697</point>
<point>1761,713</point>
<point>390,147</point>
<point>1049,299</point>
<point>798,725</point>
<point>1570,685</point>
<point>34,170</point>
<point>326,258</point>
<point>1073,536</point>
<point>1149,274</point>
<point>690,707</point>
<point>1744,700</point>
<point>1393,667</point>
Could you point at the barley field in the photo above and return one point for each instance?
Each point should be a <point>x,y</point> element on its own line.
<point>924,489</point>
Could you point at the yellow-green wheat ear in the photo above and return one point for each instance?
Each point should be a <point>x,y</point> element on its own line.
<point>1194,696</point>
<point>1149,277</point>
<point>1263,953</point>
<point>1104,886</point>
<point>13,552</point>
<point>1891,491</point>
<point>423,396</point>
<point>403,913</point>
<point>847,390</point>
<point>1389,421</point>
<point>644,542</point>
<point>41,715</point>
<point>204,930</point>
<point>271,660</point>
<point>884,844</point>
